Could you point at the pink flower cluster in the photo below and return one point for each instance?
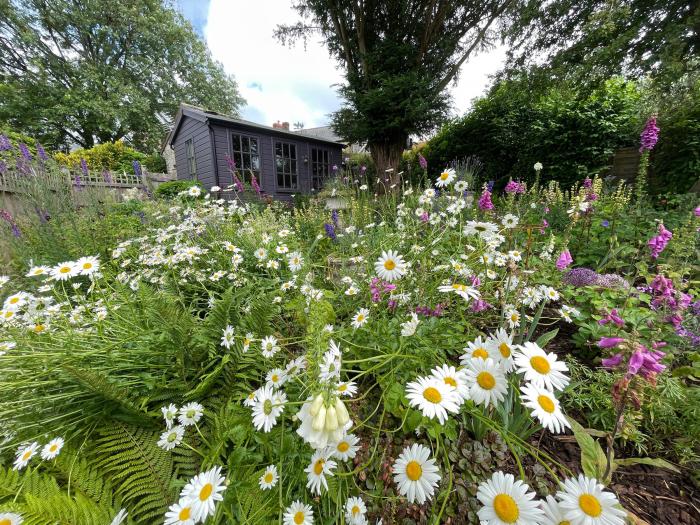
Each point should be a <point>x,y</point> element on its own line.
<point>485,201</point>
<point>650,135</point>
<point>378,288</point>
<point>657,244</point>
<point>643,362</point>
<point>430,312</point>
<point>564,260</point>
<point>515,187</point>
<point>664,295</point>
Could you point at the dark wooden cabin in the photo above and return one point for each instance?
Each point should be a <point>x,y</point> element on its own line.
<point>284,162</point>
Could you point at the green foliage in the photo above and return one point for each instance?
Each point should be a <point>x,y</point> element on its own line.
<point>171,188</point>
<point>109,73</point>
<point>573,133</point>
<point>111,156</point>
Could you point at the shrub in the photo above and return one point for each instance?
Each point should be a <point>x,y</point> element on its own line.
<point>112,156</point>
<point>170,189</point>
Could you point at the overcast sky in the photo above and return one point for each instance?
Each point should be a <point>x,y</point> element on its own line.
<point>294,84</point>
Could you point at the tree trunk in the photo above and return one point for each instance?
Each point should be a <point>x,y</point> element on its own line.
<point>386,156</point>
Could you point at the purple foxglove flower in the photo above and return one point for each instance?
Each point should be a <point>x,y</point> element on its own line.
<point>657,244</point>
<point>256,186</point>
<point>612,362</point>
<point>422,162</point>
<point>612,317</point>
<point>485,201</point>
<point>650,135</point>
<point>564,260</point>
<point>610,342</point>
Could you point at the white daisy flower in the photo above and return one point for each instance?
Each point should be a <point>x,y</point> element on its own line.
<point>169,414</point>
<point>24,455</point>
<point>509,221</point>
<point>541,368</point>
<point>552,512</point>
<point>545,407</point>
<point>36,271</point>
<point>512,317</point>
<point>355,510</point>
<point>507,502</point>
<point>487,382</point>
<point>194,191</point>
<point>64,271</point>
<point>227,339</point>
<point>409,327</point>
<point>247,340</point>
<point>15,301</point>
<point>501,343</point>
<point>445,178</point>
<point>360,318</point>
<point>260,254</point>
<point>51,450</point>
<point>478,349</point>
<point>390,266</point>
<point>88,265</point>
<point>456,379</point>
<point>295,261</point>
<point>269,478</point>
<point>190,414</point>
<point>10,518</point>
<point>269,346</point>
<point>267,408</point>
<point>416,474</point>
<point>203,491</point>
<point>346,448</point>
<point>461,186</point>
<point>171,437</point>
<point>583,501</point>
<point>465,292</point>
<point>298,513</point>
<point>320,467</point>
<point>433,397</point>
<point>275,378</point>
<point>346,388</point>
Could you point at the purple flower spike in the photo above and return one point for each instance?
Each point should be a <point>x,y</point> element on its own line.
<point>610,342</point>
<point>650,135</point>
<point>564,260</point>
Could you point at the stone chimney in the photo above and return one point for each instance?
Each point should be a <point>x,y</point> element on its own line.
<point>281,125</point>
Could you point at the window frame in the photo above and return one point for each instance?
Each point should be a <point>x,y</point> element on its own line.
<point>238,155</point>
<point>292,160</point>
<point>320,167</point>
<point>191,157</point>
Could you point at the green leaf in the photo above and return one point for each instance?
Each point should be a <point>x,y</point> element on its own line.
<point>593,459</point>
<point>654,462</point>
<point>546,338</point>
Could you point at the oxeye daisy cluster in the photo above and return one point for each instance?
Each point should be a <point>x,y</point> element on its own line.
<point>187,415</point>
<point>198,499</point>
<point>26,453</point>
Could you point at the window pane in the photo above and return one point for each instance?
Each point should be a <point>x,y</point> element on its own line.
<point>245,144</point>
<point>255,163</point>
<point>254,146</point>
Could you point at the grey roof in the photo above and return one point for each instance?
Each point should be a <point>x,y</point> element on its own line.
<point>322,132</point>
<point>204,114</point>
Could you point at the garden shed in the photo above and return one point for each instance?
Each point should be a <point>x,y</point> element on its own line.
<point>284,162</point>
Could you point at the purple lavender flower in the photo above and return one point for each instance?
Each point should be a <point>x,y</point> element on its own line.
<point>650,135</point>
<point>24,150</point>
<point>5,144</point>
<point>84,167</point>
<point>422,162</point>
<point>330,231</point>
<point>41,153</point>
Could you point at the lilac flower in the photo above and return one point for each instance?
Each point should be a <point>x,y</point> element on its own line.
<point>657,244</point>
<point>137,168</point>
<point>610,342</point>
<point>330,231</point>
<point>650,135</point>
<point>5,144</point>
<point>24,150</point>
<point>564,260</point>
<point>485,200</point>
<point>422,162</point>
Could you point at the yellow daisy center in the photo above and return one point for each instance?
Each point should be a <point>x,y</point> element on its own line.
<point>64,269</point>
<point>546,403</point>
<point>27,455</point>
<point>9,314</point>
<point>506,508</point>
<point>6,521</point>
<point>14,300</point>
<point>184,514</point>
<point>414,471</point>
<point>355,510</point>
<point>342,388</point>
<point>450,381</point>
<point>504,348</point>
<point>360,318</point>
<point>53,448</point>
<point>590,505</point>
<point>565,522</point>
<point>486,380</point>
<point>318,466</point>
<point>389,264</point>
<point>514,317</point>
<point>343,446</point>
<point>205,492</point>
<point>480,352</point>
<point>268,477</point>
<point>87,266</point>
<point>299,518</point>
<point>444,175</point>
<point>275,378</point>
<point>540,364</point>
<point>459,287</point>
<point>432,394</point>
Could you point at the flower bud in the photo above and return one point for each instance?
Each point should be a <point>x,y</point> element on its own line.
<point>342,412</point>
<point>331,419</point>
<point>319,420</point>
<point>316,405</point>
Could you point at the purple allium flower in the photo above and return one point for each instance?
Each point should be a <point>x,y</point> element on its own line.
<point>422,162</point>
<point>24,150</point>
<point>564,260</point>
<point>41,153</point>
<point>697,211</point>
<point>580,277</point>
<point>650,135</point>
<point>612,280</point>
<point>5,144</point>
<point>137,168</point>
<point>658,243</point>
<point>363,168</point>
<point>330,231</point>
<point>485,200</point>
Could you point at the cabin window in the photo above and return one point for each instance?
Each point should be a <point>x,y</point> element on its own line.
<point>191,161</point>
<point>246,154</point>
<point>286,165</point>
<point>320,167</point>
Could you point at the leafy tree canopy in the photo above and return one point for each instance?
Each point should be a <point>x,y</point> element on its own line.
<point>398,57</point>
<point>75,72</point>
<point>591,40</point>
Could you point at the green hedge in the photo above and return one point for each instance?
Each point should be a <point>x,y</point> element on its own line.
<point>168,190</point>
<point>113,156</point>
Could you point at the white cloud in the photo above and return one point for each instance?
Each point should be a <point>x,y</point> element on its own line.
<point>296,84</point>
